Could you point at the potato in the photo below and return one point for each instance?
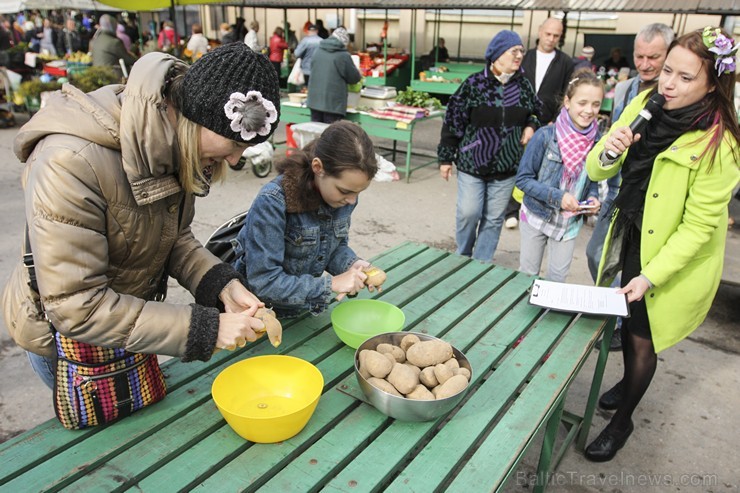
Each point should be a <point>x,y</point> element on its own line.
<point>429,353</point>
<point>403,378</point>
<point>383,385</point>
<point>408,341</point>
<point>462,371</point>
<point>390,358</point>
<point>442,373</point>
<point>414,368</point>
<point>428,378</point>
<point>398,354</point>
<point>451,387</point>
<point>452,363</point>
<point>272,326</point>
<point>362,367</point>
<point>377,364</point>
<point>420,393</point>
<point>375,276</point>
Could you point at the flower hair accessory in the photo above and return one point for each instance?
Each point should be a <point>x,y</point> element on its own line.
<point>724,49</point>
<point>237,109</point>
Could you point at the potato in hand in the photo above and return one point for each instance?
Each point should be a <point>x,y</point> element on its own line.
<point>375,276</point>
<point>272,326</point>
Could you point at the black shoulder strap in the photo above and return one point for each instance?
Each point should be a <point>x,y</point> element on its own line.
<point>28,262</point>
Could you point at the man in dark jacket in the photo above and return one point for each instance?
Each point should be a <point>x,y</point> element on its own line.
<point>69,40</point>
<point>331,70</point>
<point>548,69</point>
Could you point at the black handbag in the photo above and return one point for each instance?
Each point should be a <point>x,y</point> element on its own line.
<point>222,242</point>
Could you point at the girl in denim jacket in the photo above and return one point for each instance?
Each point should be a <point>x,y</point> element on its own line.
<point>557,191</point>
<point>298,226</point>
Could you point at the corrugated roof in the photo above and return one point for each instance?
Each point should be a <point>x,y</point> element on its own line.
<point>673,6</point>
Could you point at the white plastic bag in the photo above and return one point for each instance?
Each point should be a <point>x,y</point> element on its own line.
<point>386,170</point>
<point>296,74</point>
<point>259,153</point>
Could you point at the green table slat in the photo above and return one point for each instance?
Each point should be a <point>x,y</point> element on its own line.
<point>434,464</point>
<point>239,463</point>
<point>329,453</point>
<point>397,442</point>
<point>495,458</point>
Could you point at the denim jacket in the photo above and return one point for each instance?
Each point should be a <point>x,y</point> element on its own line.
<point>540,172</point>
<point>284,255</point>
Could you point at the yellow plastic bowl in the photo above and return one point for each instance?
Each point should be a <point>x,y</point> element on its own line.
<point>268,399</point>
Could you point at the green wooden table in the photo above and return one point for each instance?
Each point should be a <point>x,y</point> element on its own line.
<point>455,74</point>
<point>388,129</point>
<point>523,361</point>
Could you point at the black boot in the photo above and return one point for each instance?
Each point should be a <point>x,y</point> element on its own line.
<point>610,399</point>
<point>606,445</point>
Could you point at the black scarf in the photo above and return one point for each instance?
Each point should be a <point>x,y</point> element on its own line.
<point>664,128</point>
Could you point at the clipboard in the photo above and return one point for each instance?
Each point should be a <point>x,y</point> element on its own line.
<point>577,298</point>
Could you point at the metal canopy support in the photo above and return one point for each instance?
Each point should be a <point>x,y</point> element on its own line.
<point>459,36</point>
<point>413,43</point>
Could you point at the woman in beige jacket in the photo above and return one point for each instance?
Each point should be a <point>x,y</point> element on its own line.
<point>110,183</point>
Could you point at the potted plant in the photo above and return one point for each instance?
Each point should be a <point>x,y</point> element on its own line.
<point>94,78</point>
<point>31,91</point>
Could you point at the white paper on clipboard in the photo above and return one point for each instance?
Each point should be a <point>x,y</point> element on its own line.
<point>564,297</point>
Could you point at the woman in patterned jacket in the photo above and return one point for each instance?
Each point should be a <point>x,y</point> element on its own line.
<point>489,119</point>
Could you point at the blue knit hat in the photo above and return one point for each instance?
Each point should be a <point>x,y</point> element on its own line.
<point>500,43</point>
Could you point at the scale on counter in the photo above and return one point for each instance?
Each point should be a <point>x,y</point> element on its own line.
<point>379,92</point>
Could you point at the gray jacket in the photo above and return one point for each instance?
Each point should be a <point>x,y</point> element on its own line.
<point>305,51</point>
<point>332,70</point>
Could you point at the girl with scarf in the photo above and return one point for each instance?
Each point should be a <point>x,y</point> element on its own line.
<point>668,232</point>
<point>552,175</point>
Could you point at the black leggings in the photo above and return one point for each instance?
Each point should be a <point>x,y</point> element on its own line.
<point>640,359</point>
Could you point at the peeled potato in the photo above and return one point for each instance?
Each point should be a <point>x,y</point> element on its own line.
<point>375,277</point>
<point>272,325</point>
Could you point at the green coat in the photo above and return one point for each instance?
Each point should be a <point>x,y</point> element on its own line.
<point>107,49</point>
<point>683,229</point>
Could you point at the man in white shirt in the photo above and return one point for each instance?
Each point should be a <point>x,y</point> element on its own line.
<point>548,69</point>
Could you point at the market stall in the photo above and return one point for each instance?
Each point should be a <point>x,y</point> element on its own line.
<point>394,123</point>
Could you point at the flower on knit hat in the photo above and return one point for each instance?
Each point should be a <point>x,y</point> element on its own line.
<point>723,48</point>
<point>237,109</point>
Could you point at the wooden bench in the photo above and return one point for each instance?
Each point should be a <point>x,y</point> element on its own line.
<point>523,361</point>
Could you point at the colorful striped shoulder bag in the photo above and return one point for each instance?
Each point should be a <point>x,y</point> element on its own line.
<point>94,385</point>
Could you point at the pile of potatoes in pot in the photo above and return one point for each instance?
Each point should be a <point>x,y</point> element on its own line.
<point>418,370</point>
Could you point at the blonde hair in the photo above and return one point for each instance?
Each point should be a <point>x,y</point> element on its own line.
<point>190,172</point>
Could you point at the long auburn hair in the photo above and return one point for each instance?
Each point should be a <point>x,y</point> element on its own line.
<point>720,105</point>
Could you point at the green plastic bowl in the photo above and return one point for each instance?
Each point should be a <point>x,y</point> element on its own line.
<point>355,321</point>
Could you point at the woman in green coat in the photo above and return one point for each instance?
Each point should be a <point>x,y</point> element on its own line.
<point>668,232</point>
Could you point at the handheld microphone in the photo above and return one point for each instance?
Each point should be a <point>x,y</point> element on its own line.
<point>655,103</point>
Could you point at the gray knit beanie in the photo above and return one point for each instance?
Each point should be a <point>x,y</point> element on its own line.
<point>342,35</point>
<point>233,92</point>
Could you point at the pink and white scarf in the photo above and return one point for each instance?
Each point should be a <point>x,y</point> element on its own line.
<point>574,144</point>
